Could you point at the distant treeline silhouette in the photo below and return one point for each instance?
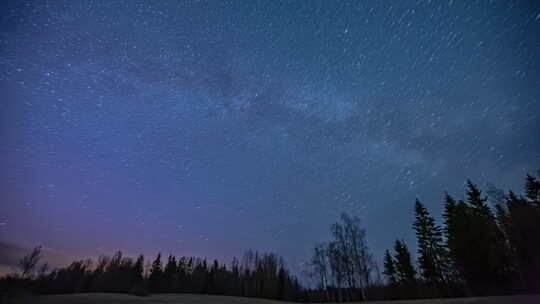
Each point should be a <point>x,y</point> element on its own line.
<point>477,250</point>
<point>257,275</point>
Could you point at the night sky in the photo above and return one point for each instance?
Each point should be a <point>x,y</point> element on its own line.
<point>207,128</point>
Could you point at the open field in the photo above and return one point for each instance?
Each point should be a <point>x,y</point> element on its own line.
<point>204,299</point>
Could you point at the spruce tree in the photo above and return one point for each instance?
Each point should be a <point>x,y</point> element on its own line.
<point>532,189</point>
<point>523,230</point>
<point>389,269</point>
<point>448,215</point>
<point>478,203</point>
<point>456,227</point>
<point>170,274</point>
<point>481,256</point>
<point>138,287</point>
<point>156,274</point>
<point>432,256</point>
<point>138,269</point>
<point>405,272</point>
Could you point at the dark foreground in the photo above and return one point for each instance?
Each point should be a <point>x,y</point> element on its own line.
<point>205,299</point>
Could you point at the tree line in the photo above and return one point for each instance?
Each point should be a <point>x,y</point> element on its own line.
<point>255,275</point>
<point>481,247</point>
<point>477,250</point>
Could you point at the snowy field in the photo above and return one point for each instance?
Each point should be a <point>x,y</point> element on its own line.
<point>204,299</point>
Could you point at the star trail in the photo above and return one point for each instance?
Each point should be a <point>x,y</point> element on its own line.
<point>210,127</point>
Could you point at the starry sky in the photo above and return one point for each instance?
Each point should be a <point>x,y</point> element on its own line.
<point>210,127</point>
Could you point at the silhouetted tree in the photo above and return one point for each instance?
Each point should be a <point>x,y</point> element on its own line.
<point>389,269</point>
<point>405,272</point>
<point>532,189</point>
<point>170,275</point>
<point>432,255</point>
<point>343,267</point>
<point>320,263</point>
<point>481,256</point>
<point>156,275</point>
<point>138,269</point>
<point>521,223</point>
<point>29,262</point>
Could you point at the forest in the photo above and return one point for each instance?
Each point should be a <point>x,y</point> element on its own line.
<point>485,244</point>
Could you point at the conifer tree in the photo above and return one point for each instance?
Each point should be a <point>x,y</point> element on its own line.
<point>449,219</point>
<point>432,255</point>
<point>389,269</point>
<point>522,225</point>
<point>156,274</point>
<point>532,189</point>
<point>405,272</point>
<point>138,269</point>
<point>477,250</point>
<point>456,228</point>
<point>170,274</point>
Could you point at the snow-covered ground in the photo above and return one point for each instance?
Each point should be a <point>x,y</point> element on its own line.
<point>205,299</point>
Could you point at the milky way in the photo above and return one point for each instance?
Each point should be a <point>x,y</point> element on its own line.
<point>207,128</point>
